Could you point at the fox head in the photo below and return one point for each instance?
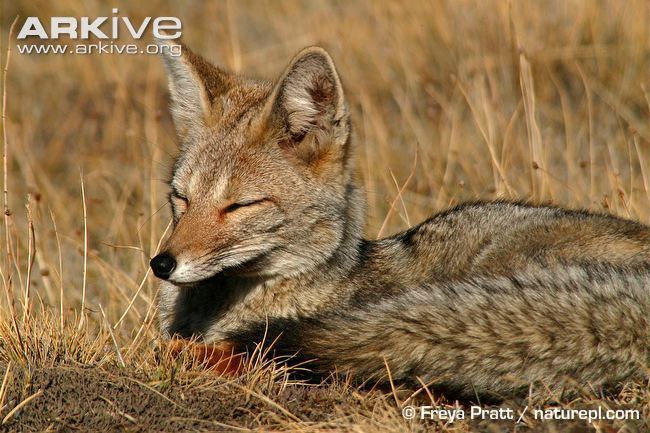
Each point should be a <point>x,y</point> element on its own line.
<point>264,182</point>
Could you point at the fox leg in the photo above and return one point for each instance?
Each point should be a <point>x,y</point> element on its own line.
<point>219,357</point>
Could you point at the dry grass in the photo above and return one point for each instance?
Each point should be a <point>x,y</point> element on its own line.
<point>543,101</point>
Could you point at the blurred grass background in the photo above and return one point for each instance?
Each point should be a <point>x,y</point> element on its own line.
<point>545,101</point>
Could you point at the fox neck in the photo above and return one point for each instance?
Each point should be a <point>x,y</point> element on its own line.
<point>347,255</point>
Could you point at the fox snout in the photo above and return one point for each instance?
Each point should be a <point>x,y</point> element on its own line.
<point>163,265</point>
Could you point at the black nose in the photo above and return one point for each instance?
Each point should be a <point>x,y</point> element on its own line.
<point>163,265</point>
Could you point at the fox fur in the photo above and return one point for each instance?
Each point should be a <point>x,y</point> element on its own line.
<point>485,298</point>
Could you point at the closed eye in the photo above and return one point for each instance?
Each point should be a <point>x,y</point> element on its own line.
<point>179,204</point>
<point>176,196</point>
<point>243,203</point>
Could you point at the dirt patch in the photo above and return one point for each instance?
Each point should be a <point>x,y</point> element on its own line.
<point>117,400</point>
<point>113,401</point>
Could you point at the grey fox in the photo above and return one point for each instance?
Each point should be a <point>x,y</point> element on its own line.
<point>484,298</point>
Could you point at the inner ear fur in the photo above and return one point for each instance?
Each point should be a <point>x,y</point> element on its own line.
<point>308,105</point>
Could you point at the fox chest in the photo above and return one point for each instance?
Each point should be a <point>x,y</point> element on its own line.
<point>210,312</point>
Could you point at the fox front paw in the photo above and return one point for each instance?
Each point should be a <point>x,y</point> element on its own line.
<point>220,357</point>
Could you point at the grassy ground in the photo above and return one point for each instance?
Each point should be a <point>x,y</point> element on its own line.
<point>537,100</point>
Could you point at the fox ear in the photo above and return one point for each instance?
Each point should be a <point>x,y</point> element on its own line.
<point>309,98</point>
<point>194,87</point>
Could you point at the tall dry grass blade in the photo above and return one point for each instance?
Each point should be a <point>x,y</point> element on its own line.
<point>58,247</point>
<point>538,184</point>
<point>234,36</point>
<point>110,331</point>
<point>158,393</point>
<point>5,145</point>
<point>20,405</point>
<point>3,387</point>
<point>514,46</point>
<point>40,253</point>
<point>31,257</point>
<point>118,411</point>
<point>499,172</point>
<point>142,329</point>
<point>82,313</point>
<point>267,400</point>
<point>392,384</point>
<point>143,281</point>
<point>399,195</point>
<point>426,389</point>
<point>5,192</point>
<point>590,130</point>
<point>644,167</point>
<point>405,218</point>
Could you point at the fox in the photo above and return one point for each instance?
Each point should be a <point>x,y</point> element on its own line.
<point>487,298</point>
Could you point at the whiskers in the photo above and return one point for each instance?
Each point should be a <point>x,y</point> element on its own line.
<point>244,256</point>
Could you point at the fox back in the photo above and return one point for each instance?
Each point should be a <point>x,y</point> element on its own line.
<point>267,244</point>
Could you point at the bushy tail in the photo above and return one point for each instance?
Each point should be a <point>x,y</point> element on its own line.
<point>485,335</point>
